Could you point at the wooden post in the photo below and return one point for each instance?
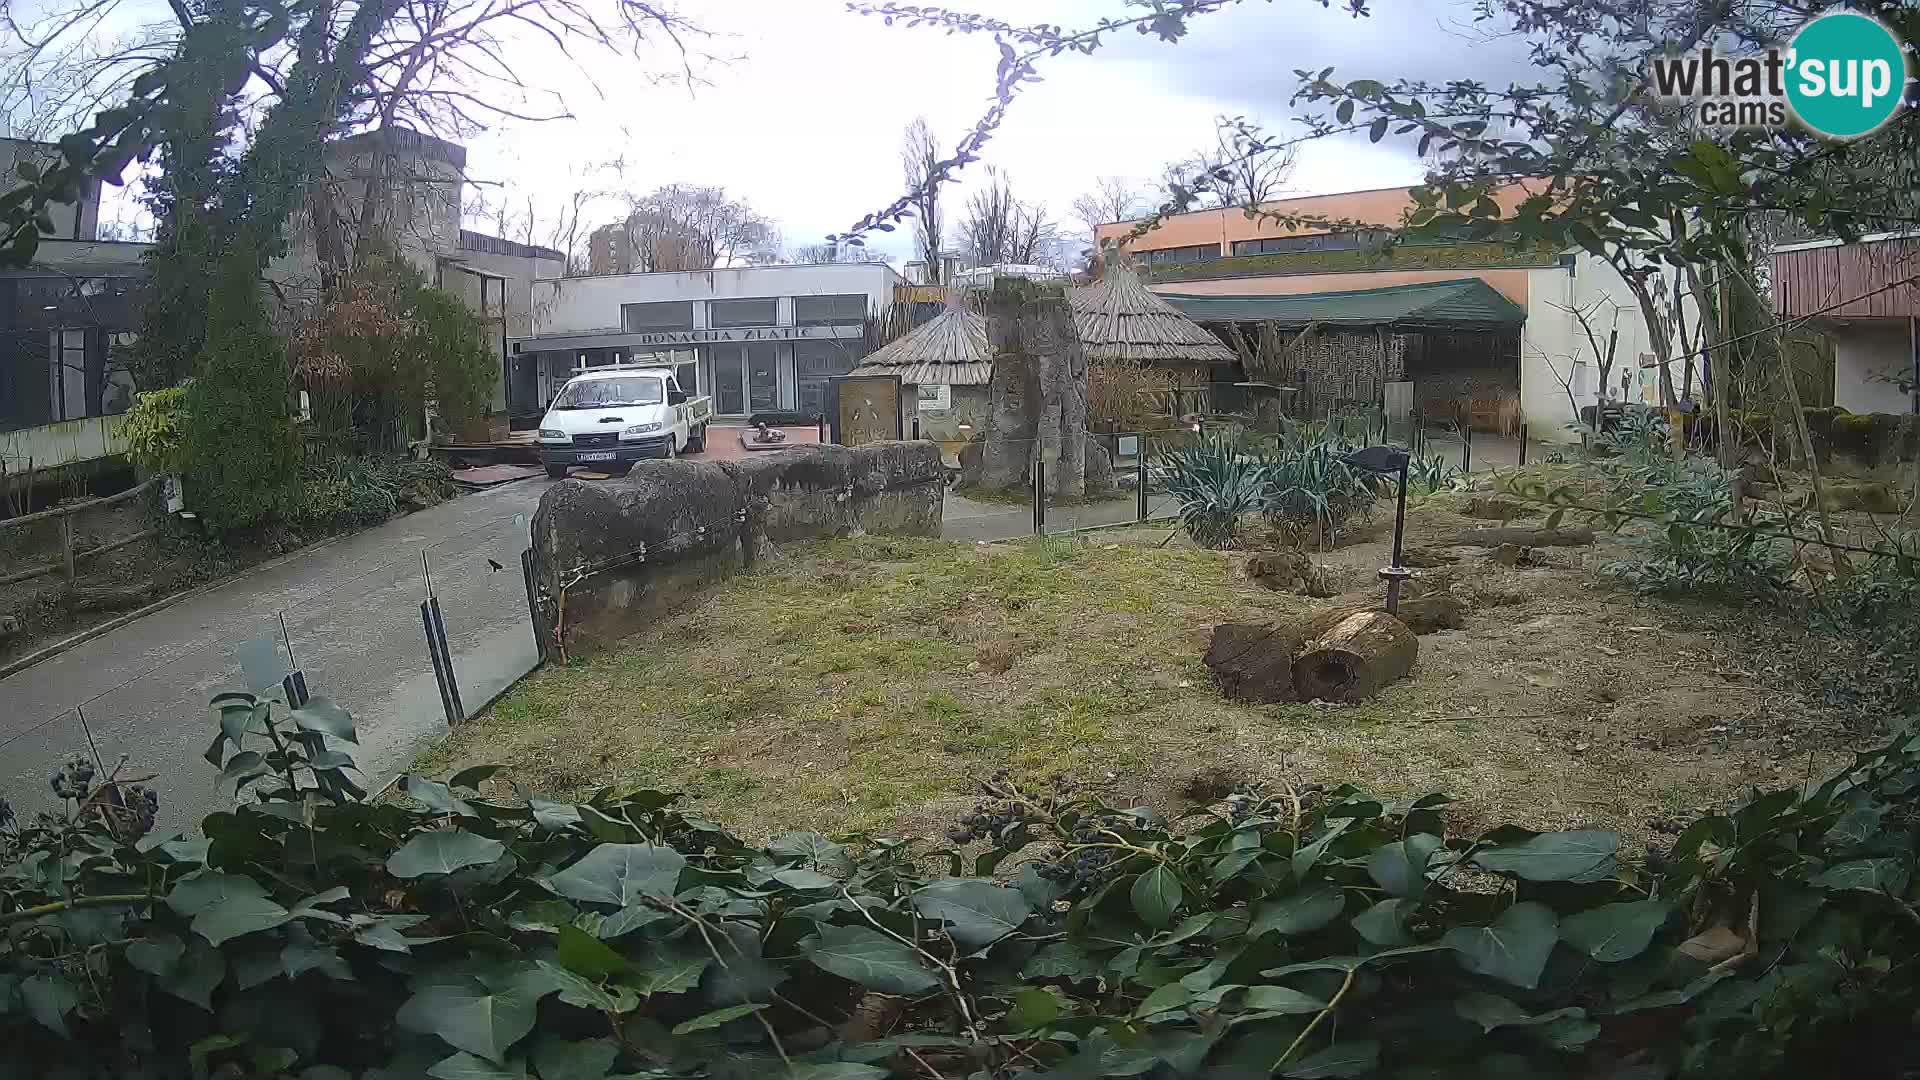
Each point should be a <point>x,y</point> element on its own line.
<point>66,545</point>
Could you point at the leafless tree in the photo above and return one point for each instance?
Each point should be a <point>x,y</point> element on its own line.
<point>689,227</point>
<point>1235,171</point>
<point>997,227</point>
<point>919,160</point>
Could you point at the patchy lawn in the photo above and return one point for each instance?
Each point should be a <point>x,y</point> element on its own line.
<point>863,684</point>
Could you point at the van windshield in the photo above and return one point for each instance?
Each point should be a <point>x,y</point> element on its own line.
<point>609,393</point>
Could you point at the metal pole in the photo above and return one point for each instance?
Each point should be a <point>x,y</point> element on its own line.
<point>533,603</point>
<point>1466,447</point>
<point>439,666</point>
<point>446,658</point>
<point>1140,478</point>
<point>1039,497</point>
<point>66,545</point>
<point>1396,572</point>
<point>1523,446</point>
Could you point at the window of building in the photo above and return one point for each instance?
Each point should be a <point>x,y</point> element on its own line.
<point>814,365</point>
<point>1182,255</point>
<point>651,318</point>
<point>1333,241</point>
<point>725,313</point>
<point>67,358</point>
<point>828,310</point>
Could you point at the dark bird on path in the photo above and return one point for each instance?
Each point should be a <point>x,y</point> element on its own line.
<point>495,566</point>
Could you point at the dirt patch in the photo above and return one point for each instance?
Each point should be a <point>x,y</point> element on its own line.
<point>865,684</point>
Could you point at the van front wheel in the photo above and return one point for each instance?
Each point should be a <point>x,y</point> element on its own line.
<point>697,440</point>
<point>556,471</point>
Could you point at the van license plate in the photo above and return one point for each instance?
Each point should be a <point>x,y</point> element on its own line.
<point>603,455</point>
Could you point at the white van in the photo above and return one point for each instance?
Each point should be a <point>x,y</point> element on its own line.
<point>612,417</point>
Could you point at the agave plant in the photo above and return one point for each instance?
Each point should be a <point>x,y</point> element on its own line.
<point>1313,489</point>
<point>1217,483</point>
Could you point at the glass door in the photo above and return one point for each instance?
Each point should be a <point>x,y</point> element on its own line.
<point>729,391</point>
<point>763,377</point>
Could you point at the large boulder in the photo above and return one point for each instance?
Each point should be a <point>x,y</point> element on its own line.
<point>1098,470</point>
<point>611,556</point>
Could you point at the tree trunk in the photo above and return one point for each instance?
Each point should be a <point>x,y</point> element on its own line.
<point>1354,658</point>
<point>1037,396</point>
<point>1523,536</point>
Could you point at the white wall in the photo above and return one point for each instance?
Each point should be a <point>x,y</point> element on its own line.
<point>1554,342</point>
<point>1868,355</point>
<point>583,305</point>
<point>50,446</point>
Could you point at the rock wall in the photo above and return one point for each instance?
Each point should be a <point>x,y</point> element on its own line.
<point>610,557</point>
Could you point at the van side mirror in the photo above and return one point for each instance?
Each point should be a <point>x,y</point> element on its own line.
<point>676,397</point>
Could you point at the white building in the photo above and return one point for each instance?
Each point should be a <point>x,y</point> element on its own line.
<point>757,338</point>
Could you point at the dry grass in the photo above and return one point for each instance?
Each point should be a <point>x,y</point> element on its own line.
<point>862,684</point>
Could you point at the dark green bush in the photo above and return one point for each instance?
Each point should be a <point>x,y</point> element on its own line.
<point>1301,932</point>
<point>1302,486</point>
<point>242,458</point>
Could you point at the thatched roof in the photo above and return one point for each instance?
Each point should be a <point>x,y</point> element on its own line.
<point>1120,319</point>
<point>951,349</point>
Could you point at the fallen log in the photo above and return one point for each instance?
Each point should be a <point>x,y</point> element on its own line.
<point>1253,662</point>
<point>1524,537</point>
<point>89,597</point>
<point>1355,658</point>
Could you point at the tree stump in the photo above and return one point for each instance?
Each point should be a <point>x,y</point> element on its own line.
<point>1355,658</point>
<point>1253,662</point>
<point>1037,393</point>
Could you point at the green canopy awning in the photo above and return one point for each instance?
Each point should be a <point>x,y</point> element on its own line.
<point>1462,304</point>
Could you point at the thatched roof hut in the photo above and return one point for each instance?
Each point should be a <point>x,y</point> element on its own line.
<point>950,349</point>
<point>1121,320</point>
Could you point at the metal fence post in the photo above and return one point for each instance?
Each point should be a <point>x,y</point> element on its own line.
<point>533,603</point>
<point>1039,496</point>
<point>440,674</point>
<point>1140,478</point>
<point>66,545</point>
<point>1523,446</point>
<point>1466,447</point>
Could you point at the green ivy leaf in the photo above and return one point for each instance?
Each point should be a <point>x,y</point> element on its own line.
<point>1157,895</point>
<point>1401,867</point>
<point>238,915</point>
<point>715,1018</point>
<point>1342,1059</point>
<point>813,850</point>
<point>977,913</point>
<point>1301,913</point>
<point>582,952</point>
<point>579,991</point>
<point>589,1059</point>
<point>198,974</point>
<point>1385,923</point>
<point>1872,875</point>
<point>1614,932</point>
<point>1514,949</point>
<point>1280,1000</point>
<point>472,778</point>
<point>1165,998</point>
<point>746,976</point>
<point>668,967</point>
<point>620,874</point>
<point>442,852</point>
<point>323,716</point>
<point>628,919</point>
<point>1305,858</point>
<point>869,958</point>
<point>1032,1008</point>
<point>49,998</point>
<point>156,955</point>
<point>1489,1010</point>
<point>1582,855</point>
<point>469,1015</point>
<point>1344,112</point>
<point>1568,1033</point>
<point>465,1066</point>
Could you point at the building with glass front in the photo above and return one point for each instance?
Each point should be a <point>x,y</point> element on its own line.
<point>759,339</point>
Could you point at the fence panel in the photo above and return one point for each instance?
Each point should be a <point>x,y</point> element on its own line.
<point>483,604</point>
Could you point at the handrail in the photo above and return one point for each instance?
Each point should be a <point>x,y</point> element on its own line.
<point>80,508</point>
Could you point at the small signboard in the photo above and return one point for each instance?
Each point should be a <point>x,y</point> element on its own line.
<point>935,397</point>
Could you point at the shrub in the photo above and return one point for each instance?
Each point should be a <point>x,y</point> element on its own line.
<point>382,344</point>
<point>240,453</point>
<point>156,428</point>
<point>1297,932</point>
<point>1126,397</point>
<point>1313,490</point>
<point>339,492</point>
<point>1217,484</point>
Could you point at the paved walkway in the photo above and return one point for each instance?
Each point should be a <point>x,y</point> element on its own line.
<point>352,615</point>
<point>350,612</point>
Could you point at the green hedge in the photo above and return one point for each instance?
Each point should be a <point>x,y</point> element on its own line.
<point>474,932</point>
<point>1403,257</point>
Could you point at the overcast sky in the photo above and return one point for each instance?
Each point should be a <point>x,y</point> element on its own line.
<point>806,123</point>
